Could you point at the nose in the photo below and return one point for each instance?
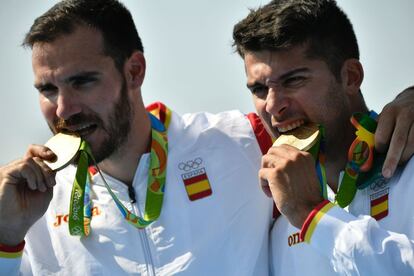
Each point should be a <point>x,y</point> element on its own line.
<point>276,102</point>
<point>68,104</point>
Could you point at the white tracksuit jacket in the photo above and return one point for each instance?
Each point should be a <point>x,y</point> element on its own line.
<point>353,243</point>
<point>225,233</point>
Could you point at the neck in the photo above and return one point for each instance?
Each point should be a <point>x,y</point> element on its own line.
<point>122,165</point>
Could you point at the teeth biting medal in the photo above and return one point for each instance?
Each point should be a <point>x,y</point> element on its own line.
<point>303,138</point>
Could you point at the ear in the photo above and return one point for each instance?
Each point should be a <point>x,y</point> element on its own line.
<point>134,70</point>
<point>352,75</point>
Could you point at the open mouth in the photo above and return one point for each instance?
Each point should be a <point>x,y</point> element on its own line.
<point>290,126</point>
<point>80,130</point>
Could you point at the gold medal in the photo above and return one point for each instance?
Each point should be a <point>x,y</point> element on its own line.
<point>65,148</point>
<point>302,138</point>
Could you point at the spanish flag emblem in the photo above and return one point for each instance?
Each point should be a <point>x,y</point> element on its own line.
<point>197,184</point>
<point>379,204</point>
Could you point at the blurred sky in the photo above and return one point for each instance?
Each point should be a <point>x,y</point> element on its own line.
<point>190,62</point>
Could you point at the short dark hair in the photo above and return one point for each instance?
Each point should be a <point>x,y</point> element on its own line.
<point>282,24</point>
<point>110,17</point>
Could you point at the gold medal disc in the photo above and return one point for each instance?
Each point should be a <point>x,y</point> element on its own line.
<point>65,147</point>
<point>302,138</point>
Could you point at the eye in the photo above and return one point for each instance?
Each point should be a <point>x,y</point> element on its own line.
<point>259,90</point>
<point>47,90</point>
<point>82,82</point>
<point>295,81</point>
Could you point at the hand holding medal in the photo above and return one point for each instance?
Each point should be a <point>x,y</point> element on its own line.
<point>357,172</point>
<point>289,172</point>
<point>26,189</point>
<point>309,138</point>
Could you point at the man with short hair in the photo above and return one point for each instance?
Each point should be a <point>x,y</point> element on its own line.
<point>185,183</point>
<point>302,66</point>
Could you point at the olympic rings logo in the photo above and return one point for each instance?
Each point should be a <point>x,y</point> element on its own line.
<point>190,165</point>
<point>379,183</point>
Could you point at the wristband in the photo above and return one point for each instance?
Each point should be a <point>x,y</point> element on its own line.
<point>12,252</point>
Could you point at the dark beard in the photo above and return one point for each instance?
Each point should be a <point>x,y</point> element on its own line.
<point>117,128</point>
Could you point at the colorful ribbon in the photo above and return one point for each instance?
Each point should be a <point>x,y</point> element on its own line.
<point>358,172</point>
<point>360,156</point>
<point>80,213</point>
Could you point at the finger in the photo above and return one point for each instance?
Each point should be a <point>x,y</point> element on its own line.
<point>30,172</point>
<point>264,183</point>
<point>284,151</point>
<point>41,174</point>
<point>269,161</point>
<point>396,148</point>
<point>48,174</point>
<point>23,173</point>
<point>40,151</point>
<point>274,156</point>
<point>409,147</point>
<point>265,188</point>
<point>385,128</point>
<point>37,182</point>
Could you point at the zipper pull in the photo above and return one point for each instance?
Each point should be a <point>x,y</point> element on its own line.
<point>131,193</point>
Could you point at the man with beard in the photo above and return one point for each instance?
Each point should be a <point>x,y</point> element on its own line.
<point>89,67</point>
<point>302,66</point>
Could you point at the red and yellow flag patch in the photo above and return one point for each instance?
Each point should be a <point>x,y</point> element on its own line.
<point>379,204</point>
<point>197,184</point>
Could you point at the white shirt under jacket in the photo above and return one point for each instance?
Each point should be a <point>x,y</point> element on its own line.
<point>353,243</point>
<point>225,233</point>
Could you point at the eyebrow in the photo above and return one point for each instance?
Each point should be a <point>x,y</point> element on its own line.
<point>78,76</point>
<point>293,72</point>
<point>281,78</point>
<point>82,75</point>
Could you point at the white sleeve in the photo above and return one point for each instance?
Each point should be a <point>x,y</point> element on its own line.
<point>358,246</point>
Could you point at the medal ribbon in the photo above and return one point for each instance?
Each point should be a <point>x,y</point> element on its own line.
<point>155,184</point>
<point>77,199</point>
<point>360,159</point>
<point>360,156</point>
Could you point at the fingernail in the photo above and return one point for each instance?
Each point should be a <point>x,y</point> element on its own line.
<point>386,173</point>
<point>52,155</point>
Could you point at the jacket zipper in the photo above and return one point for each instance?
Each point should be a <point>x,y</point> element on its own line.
<point>145,244</point>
